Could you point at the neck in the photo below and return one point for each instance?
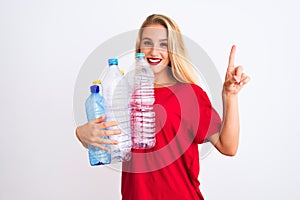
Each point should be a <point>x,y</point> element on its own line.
<point>165,81</point>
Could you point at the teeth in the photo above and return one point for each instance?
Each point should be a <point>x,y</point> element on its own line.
<point>154,60</point>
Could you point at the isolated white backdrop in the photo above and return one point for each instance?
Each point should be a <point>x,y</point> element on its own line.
<point>43,45</point>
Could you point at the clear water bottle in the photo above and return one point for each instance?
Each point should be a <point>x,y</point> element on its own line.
<point>142,116</point>
<point>116,95</point>
<point>95,107</point>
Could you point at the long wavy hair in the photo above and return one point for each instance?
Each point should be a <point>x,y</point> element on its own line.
<point>181,68</point>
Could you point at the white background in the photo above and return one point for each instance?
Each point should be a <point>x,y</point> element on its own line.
<point>43,45</point>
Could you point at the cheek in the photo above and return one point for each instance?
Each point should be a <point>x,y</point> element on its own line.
<point>145,50</point>
<point>166,58</point>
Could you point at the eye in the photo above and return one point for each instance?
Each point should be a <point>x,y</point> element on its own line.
<point>147,43</point>
<point>164,45</point>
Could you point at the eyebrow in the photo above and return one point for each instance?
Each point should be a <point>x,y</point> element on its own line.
<point>146,38</point>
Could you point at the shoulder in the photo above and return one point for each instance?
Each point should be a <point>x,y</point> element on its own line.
<point>195,88</point>
<point>199,93</point>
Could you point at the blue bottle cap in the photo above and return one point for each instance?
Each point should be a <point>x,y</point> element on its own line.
<point>94,89</point>
<point>138,55</point>
<point>113,61</point>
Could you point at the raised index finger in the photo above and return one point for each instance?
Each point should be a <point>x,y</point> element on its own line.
<point>231,57</point>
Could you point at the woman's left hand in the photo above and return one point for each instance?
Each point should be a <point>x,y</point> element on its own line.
<point>235,79</point>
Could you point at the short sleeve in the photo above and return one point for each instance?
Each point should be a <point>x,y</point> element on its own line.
<point>209,121</point>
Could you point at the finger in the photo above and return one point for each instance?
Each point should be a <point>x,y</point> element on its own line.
<point>108,124</point>
<point>107,141</point>
<point>245,80</point>
<point>98,142</point>
<point>230,78</point>
<point>110,132</point>
<point>99,120</point>
<point>231,58</point>
<point>102,140</point>
<point>99,146</point>
<point>238,73</point>
<point>243,76</point>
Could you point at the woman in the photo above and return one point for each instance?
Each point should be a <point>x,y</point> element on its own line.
<point>184,119</point>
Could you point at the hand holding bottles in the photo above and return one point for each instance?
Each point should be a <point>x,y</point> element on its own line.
<point>91,132</point>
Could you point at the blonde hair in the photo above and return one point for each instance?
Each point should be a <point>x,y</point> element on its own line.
<point>181,68</point>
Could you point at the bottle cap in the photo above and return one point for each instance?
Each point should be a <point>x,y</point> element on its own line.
<point>97,82</point>
<point>113,61</point>
<point>138,55</point>
<point>94,89</point>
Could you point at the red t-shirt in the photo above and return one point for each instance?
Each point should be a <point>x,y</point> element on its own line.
<point>184,119</point>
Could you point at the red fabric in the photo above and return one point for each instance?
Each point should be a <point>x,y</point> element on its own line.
<point>184,119</point>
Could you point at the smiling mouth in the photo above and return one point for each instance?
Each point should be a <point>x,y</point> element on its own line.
<point>154,61</point>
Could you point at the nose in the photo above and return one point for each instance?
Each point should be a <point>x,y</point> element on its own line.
<point>154,50</point>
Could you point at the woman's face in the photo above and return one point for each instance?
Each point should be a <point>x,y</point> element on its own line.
<point>154,43</point>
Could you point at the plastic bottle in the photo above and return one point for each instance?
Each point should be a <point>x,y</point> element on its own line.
<point>115,92</point>
<point>95,107</point>
<point>142,116</point>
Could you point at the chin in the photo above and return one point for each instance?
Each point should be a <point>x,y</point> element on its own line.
<point>156,69</point>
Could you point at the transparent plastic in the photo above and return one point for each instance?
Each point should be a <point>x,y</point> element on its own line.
<point>116,94</point>
<point>142,116</point>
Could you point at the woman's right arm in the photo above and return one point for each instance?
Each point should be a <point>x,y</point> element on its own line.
<point>91,132</point>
